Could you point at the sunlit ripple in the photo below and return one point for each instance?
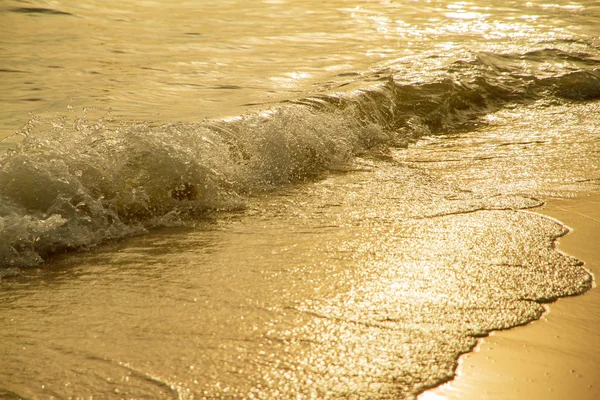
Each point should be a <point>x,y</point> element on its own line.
<point>275,39</point>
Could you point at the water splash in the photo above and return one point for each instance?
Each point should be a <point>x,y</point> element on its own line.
<point>74,182</point>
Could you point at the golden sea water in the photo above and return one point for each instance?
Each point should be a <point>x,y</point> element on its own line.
<point>283,199</point>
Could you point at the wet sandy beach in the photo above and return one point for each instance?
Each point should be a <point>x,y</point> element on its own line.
<point>556,357</point>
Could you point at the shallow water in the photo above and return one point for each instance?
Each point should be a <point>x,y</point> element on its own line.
<point>186,60</point>
<point>285,199</point>
<point>306,293</point>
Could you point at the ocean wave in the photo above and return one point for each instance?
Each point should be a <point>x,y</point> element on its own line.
<point>73,183</point>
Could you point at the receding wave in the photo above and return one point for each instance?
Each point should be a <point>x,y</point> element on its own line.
<point>74,182</point>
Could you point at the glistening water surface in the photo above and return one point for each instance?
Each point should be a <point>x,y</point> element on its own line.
<point>286,199</point>
<point>185,60</point>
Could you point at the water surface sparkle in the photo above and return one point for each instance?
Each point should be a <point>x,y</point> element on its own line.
<point>283,199</point>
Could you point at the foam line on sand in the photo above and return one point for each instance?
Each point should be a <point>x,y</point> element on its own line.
<point>557,357</point>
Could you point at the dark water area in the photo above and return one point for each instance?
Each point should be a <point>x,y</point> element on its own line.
<point>279,199</point>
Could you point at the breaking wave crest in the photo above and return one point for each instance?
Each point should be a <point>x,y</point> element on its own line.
<point>73,183</point>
